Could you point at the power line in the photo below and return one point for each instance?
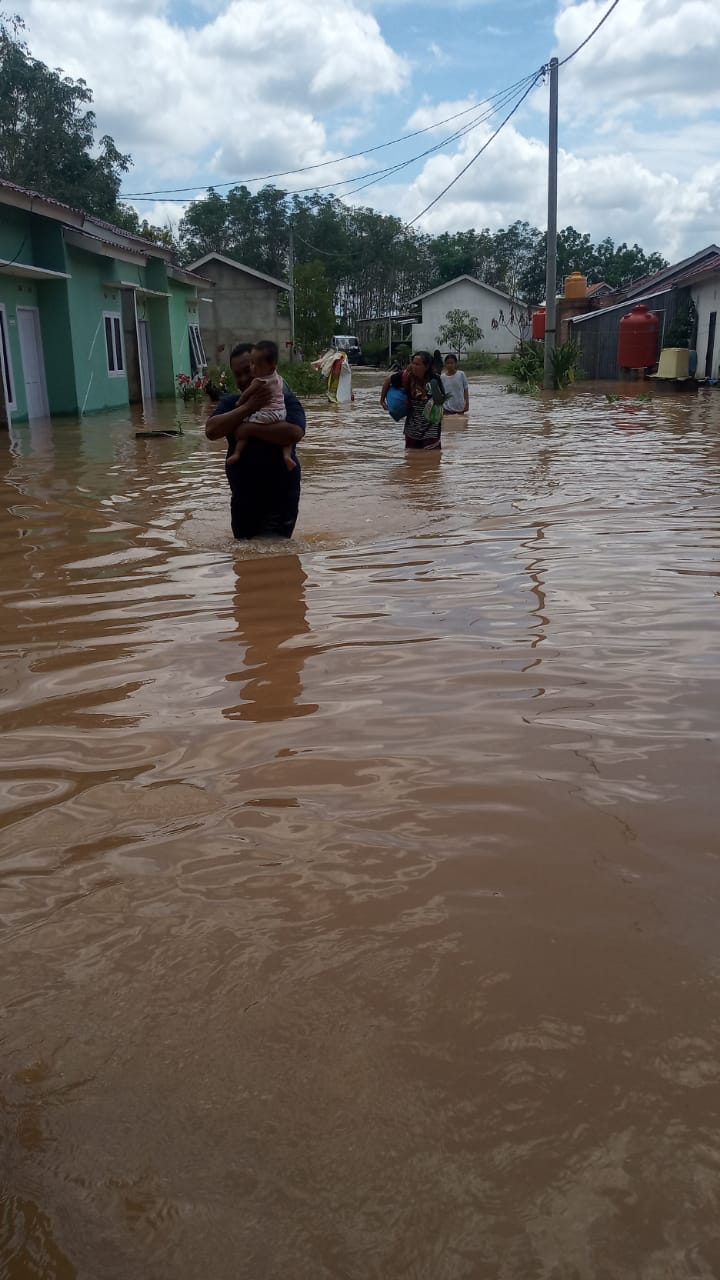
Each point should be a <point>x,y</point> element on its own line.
<point>501,126</point>
<point>484,147</point>
<point>527,83</point>
<point>403,164</point>
<point>308,168</point>
<point>372,176</point>
<point>594,31</point>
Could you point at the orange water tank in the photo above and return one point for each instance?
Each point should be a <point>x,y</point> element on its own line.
<point>538,325</point>
<point>576,285</point>
<point>638,333</point>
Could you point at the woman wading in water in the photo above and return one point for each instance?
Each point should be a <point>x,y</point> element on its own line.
<point>426,396</point>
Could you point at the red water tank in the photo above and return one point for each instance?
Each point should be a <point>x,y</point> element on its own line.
<point>638,338</point>
<point>538,325</point>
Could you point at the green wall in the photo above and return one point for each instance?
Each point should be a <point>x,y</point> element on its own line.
<point>183,311</point>
<point>71,315</point>
<point>15,235</point>
<point>89,297</point>
<point>57,345</point>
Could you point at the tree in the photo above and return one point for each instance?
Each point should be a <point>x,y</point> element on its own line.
<point>460,331</point>
<point>314,315</point>
<point>374,265</point>
<point>620,265</point>
<point>127,218</point>
<point>513,251</point>
<point>47,135</point>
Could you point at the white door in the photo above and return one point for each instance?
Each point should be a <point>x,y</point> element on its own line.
<point>147,375</point>
<point>31,351</point>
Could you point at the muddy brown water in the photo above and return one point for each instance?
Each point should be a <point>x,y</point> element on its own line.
<point>359,897</point>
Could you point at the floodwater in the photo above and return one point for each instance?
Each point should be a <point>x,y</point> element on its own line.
<point>360,897</point>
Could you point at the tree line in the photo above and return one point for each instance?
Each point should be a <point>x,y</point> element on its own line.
<point>351,263</point>
<point>357,263</point>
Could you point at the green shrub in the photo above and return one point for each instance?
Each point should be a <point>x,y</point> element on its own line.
<point>480,362</point>
<point>375,352</point>
<point>563,359</point>
<point>303,379</point>
<point>219,381</point>
<point>527,365</point>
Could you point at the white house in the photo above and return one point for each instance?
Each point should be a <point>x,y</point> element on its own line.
<point>484,303</point>
<point>705,289</point>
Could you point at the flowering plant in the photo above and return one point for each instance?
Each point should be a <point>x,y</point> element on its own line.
<point>190,388</point>
<point>219,380</point>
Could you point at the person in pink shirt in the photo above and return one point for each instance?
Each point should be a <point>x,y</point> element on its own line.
<point>263,364</point>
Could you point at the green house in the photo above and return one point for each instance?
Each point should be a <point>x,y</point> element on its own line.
<point>91,317</point>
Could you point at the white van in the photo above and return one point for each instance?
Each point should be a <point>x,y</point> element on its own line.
<point>346,342</point>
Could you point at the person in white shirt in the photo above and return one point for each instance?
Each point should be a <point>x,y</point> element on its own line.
<point>455,386</point>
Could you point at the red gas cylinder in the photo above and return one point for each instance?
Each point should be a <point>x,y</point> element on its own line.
<point>538,325</point>
<point>638,339</point>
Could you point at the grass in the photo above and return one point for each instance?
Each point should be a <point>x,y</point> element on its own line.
<point>482,362</point>
<point>303,379</point>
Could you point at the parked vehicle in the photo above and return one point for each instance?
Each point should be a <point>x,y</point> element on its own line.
<point>349,344</point>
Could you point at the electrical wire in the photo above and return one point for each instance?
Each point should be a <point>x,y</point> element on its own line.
<point>484,147</point>
<point>594,31</point>
<point>11,261</point>
<point>368,179</point>
<point>322,164</point>
<point>501,126</point>
<point>403,164</point>
<point>527,83</point>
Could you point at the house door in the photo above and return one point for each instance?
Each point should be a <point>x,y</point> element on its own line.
<point>28,319</point>
<point>147,373</point>
<point>711,344</point>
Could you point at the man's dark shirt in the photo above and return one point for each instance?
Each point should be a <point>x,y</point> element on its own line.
<point>265,495</point>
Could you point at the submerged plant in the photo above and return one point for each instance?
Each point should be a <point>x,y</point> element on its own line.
<point>527,365</point>
<point>563,360</point>
<point>188,387</point>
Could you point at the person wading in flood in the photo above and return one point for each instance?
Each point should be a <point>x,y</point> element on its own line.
<point>455,386</point>
<point>265,494</point>
<point>425,394</point>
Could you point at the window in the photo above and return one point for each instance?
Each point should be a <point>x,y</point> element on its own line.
<point>198,359</point>
<point>5,365</point>
<point>114,344</point>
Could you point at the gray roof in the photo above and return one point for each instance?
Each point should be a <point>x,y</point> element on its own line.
<point>239,266</point>
<point>36,202</point>
<point>481,283</point>
<point>667,274</point>
<point>628,303</point>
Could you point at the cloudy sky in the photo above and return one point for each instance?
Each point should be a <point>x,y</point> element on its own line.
<point>218,91</point>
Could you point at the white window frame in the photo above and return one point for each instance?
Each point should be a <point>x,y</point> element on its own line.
<point>197,350</point>
<point>114,369</point>
<point>6,368</point>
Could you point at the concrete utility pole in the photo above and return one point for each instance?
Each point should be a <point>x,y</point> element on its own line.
<point>551,261</point>
<point>291,276</point>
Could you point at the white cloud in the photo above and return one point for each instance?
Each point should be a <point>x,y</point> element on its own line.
<point>247,85</point>
<point>607,193</point>
<point>658,53</point>
<point>427,113</point>
<point>250,90</point>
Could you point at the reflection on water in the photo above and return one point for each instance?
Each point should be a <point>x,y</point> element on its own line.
<point>359,895</point>
<point>269,608</point>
